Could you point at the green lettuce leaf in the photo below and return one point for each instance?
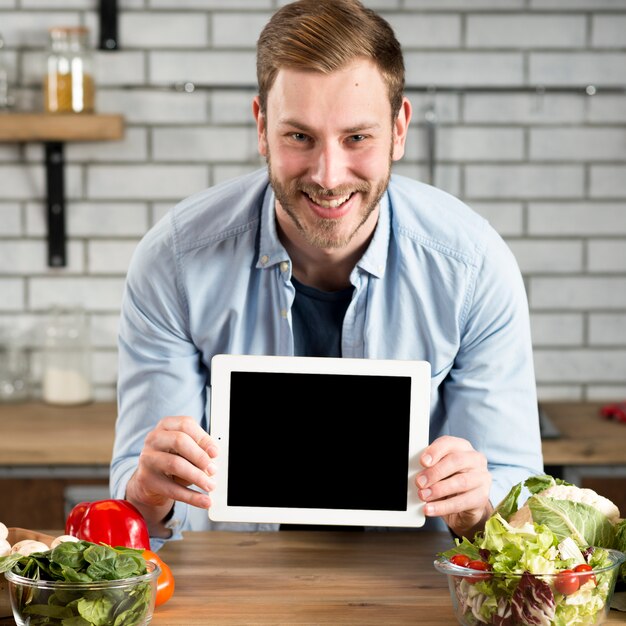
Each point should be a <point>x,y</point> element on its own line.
<point>620,544</point>
<point>509,504</point>
<point>582,522</point>
<point>534,485</point>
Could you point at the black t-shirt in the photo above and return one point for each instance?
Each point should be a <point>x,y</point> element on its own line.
<point>317,318</point>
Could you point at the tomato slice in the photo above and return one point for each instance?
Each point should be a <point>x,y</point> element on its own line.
<point>478,565</point>
<point>165,582</point>
<point>566,582</point>
<point>583,578</point>
<point>460,559</point>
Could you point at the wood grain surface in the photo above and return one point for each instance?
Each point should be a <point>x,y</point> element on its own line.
<point>295,578</point>
<point>38,434</point>
<point>587,438</point>
<point>60,127</point>
<point>306,578</point>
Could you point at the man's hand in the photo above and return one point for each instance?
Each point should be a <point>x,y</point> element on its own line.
<point>176,454</point>
<point>455,485</point>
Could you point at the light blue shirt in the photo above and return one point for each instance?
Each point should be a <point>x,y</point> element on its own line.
<point>436,283</point>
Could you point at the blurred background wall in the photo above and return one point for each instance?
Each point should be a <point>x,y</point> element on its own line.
<point>520,110</point>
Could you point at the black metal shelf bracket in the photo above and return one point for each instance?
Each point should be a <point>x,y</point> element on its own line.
<point>55,185</point>
<point>109,39</point>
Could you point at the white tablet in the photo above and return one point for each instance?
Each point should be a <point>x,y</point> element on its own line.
<point>307,440</point>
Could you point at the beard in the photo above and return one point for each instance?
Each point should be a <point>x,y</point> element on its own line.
<point>327,233</point>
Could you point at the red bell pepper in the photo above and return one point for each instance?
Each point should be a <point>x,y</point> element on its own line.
<point>114,522</point>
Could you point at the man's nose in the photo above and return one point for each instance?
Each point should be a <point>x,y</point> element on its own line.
<point>329,166</point>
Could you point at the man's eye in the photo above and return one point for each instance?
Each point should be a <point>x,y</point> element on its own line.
<point>357,138</point>
<point>299,136</point>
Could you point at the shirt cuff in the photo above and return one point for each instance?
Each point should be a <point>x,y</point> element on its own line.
<point>174,521</point>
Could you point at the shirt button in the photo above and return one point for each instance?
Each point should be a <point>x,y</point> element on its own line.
<point>283,313</point>
<point>284,266</point>
<point>264,259</point>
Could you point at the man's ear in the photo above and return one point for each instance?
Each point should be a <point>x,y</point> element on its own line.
<point>261,128</point>
<point>400,129</point>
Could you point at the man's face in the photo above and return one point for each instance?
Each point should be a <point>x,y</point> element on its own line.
<point>329,142</point>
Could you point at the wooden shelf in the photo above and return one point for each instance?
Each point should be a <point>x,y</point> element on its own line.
<point>53,130</point>
<point>16,127</point>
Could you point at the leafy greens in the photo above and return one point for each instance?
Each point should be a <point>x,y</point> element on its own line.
<point>81,562</point>
<point>526,556</point>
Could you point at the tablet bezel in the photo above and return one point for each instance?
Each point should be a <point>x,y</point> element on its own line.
<point>222,365</point>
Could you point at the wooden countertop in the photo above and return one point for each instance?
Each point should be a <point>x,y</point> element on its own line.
<point>39,434</point>
<point>344,578</point>
<point>587,438</point>
<point>306,578</point>
<point>35,434</point>
<point>339,578</point>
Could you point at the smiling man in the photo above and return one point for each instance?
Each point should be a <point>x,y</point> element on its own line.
<point>326,253</point>
<point>329,140</point>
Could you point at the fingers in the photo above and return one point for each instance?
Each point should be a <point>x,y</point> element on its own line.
<point>183,436</point>
<point>176,454</point>
<point>456,478</point>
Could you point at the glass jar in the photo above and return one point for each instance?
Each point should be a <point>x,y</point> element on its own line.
<point>5,97</point>
<point>14,373</point>
<point>67,358</point>
<point>68,83</point>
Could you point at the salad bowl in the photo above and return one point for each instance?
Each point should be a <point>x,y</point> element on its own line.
<point>554,561</point>
<point>565,598</point>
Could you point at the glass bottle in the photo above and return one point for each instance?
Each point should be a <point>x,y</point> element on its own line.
<point>5,97</point>
<point>67,358</point>
<point>68,83</point>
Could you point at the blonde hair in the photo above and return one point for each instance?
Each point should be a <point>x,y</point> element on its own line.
<point>325,35</point>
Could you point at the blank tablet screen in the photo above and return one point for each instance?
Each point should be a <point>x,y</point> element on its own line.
<point>329,441</point>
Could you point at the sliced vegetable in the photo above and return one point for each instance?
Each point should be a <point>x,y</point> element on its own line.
<point>114,522</point>
<point>533,601</point>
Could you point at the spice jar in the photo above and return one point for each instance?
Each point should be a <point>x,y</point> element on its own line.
<point>68,83</point>
<point>67,358</point>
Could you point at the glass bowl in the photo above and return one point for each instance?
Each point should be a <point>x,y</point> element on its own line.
<point>485,597</point>
<point>128,601</point>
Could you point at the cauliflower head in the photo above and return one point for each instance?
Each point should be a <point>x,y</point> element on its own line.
<point>574,494</point>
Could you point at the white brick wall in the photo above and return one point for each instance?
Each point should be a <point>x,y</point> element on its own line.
<point>546,167</point>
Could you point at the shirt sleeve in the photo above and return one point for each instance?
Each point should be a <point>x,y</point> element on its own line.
<point>160,370</point>
<point>490,394</point>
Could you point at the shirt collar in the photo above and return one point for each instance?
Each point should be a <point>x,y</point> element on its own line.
<point>271,250</point>
<point>374,260</point>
